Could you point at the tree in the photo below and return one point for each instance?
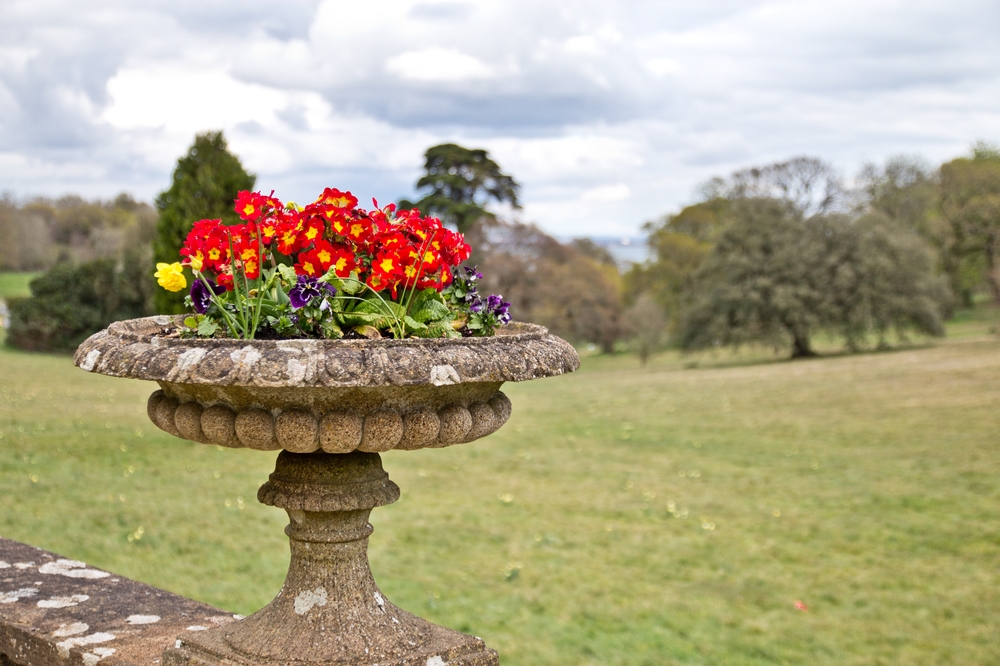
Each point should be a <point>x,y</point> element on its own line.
<point>645,322</point>
<point>755,285</point>
<point>553,284</point>
<point>970,202</point>
<point>776,278</point>
<point>904,190</point>
<point>461,182</point>
<point>808,184</point>
<point>205,183</point>
<point>679,243</point>
<point>877,277</point>
<point>69,303</point>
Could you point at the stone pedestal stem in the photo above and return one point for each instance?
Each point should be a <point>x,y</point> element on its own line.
<point>329,610</point>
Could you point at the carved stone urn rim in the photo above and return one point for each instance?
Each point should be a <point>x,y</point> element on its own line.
<point>138,349</point>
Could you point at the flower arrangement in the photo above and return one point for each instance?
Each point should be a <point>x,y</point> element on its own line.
<point>329,270</point>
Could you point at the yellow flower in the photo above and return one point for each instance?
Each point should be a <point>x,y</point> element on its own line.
<point>170,276</point>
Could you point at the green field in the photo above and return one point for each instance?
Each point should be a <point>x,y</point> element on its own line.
<point>13,285</point>
<point>666,515</point>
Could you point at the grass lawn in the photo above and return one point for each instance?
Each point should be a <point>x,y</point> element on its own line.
<point>15,284</point>
<point>666,515</point>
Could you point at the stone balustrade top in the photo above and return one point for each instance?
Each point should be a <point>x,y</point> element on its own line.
<point>56,611</point>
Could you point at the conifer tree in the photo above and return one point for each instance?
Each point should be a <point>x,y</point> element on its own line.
<point>205,183</point>
<point>461,182</point>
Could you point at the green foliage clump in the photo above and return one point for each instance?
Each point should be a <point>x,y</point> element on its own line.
<point>205,183</point>
<point>462,182</point>
<point>970,203</point>
<point>679,244</point>
<point>69,303</point>
<point>775,278</point>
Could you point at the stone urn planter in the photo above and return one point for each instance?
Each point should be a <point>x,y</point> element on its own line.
<point>330,408</point>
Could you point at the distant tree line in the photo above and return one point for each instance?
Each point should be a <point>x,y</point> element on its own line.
<point>776,254</point>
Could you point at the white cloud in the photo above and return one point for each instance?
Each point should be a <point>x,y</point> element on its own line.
<point>663,66</point>
<point>185,99</point>
<point>607,194</point>
<point>436,64</point>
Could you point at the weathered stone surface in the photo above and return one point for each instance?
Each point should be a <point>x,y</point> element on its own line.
<point>330,611</point>
<point>187,420</point>
<point>55,611</point>
<point>340,432</point>
<point>456,423</point>
<point>420,429</point>
<point>484,421</point>
<point>382,431</point>
<point>297,431</point>
<point>218,422</point>
<point>136,348</point>
<point>255,428</point>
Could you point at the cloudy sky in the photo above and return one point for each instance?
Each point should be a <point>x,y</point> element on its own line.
<point>608,113</point>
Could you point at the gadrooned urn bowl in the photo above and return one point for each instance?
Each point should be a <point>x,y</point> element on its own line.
<point>335,396</point>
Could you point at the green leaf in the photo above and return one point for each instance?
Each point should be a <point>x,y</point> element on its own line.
<point>413,325</point>
<point>331,331</point>
<point>428,305</point>
<point>439,330</point>
<point>380,304</point>
<point>349,319</point>
<point>352,285</point>
<point>191,322</point>
<point>207,327</point>
<point>288,274</point>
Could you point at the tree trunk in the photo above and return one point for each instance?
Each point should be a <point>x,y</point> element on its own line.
<point>992,269</point>
<point>800,346</point>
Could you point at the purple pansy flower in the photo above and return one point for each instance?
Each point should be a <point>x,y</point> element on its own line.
<point>201,294</point>
<point>492,305</point>
<point>498,307</point>
<point>306,289</point>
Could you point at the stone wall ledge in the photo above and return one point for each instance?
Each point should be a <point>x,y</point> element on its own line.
<point>57,611</point>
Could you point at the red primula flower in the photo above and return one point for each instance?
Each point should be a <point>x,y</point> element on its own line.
<point>339,223</point>
<point>387,263</point>
<point>392,240</point>
<point>309,264</point>
<point>268,230</point>
<point>324,254</point>
<point>193,257</point>
<point>379,282</point>
<point>359,229</point>
<point>312,231</point>
<point>342,200</point>
<point>344,261</point>
<point>248,257</point>
<point>288,237</point>
<point>454,249</point>
<point>273,202</point>
<point>217,249</point>
<point>249,205</point>
<point>225,280</point>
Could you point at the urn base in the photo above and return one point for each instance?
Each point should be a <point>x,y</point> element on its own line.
<point>329,610</point>
<point>444,648</point>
